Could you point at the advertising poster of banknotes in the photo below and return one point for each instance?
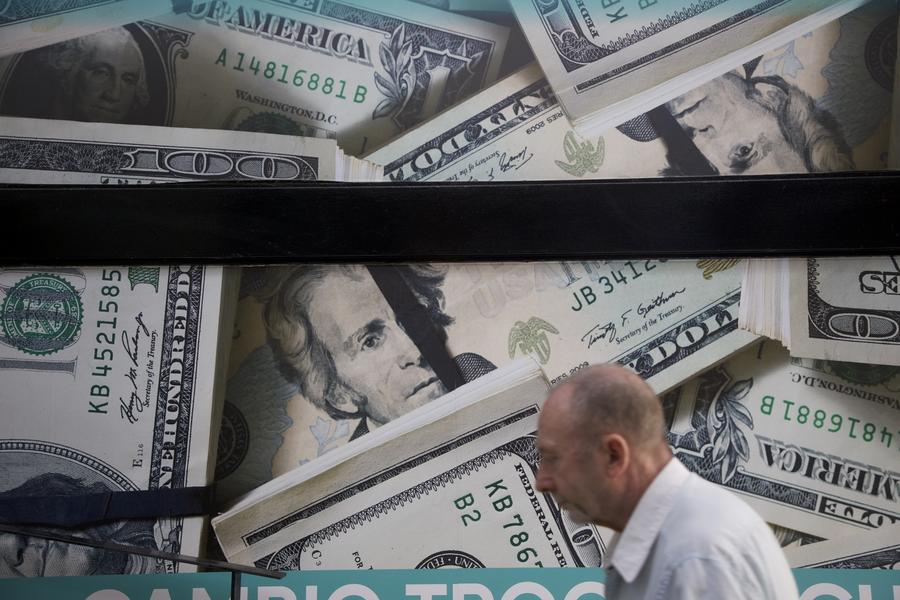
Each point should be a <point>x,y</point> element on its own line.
<point>334,405</point>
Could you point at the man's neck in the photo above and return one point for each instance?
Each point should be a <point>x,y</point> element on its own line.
<point>644,470</point>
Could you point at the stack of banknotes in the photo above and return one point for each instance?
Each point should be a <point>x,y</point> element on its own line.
<point>345,410</point>
<point>843,309</point>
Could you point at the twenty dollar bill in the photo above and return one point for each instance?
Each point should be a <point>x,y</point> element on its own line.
<point>320,355</point>
<point>475,466</point>
<point>820,103</point>
<point>609,61</point>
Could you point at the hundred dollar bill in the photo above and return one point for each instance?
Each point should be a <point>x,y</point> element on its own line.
<point>810,444</point>
<point>27,24</point>
<point>110,380</point>
<point>356,71</point>
<point>511,131</point>
<point>473,462</point>
<point>876,549</point>
<point>609,61</point>
<point>846,309</point>
<point>39,151</point>
<point>322,356</point>
<point>820,103</point>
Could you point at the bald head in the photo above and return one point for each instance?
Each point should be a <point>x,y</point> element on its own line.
<point>611,399</point>
<point>601,440</point>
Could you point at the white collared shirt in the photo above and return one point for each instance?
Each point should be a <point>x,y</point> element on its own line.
<point>688,538</point>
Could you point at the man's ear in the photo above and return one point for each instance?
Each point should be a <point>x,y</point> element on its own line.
<point>619,452</point>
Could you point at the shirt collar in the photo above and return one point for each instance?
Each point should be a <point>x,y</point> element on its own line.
<point>628,550</point>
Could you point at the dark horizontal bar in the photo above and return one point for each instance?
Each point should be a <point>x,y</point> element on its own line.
<point>73,510</point>
<point>241,223</point>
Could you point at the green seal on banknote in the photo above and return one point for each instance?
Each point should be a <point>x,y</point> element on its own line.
<point>41,314</point>
<point>269,122</point>
<point>864,374</point>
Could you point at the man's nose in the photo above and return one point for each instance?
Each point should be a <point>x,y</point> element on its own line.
<point>113,88</point>
<point>408,354</point>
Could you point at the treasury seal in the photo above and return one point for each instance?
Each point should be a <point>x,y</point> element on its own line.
<point>863,374</point>
<point>450,559</point>
<point>234,441</point>
<point>269,122</point>
<point>41,314</point>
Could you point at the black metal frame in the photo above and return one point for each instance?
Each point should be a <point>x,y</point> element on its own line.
<point>208,563</point>
<point>240,223</point>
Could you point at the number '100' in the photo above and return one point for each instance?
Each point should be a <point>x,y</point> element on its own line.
<point>199,163</point>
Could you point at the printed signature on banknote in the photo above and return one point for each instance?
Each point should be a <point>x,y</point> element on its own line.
<point>515,161</point>
<point>606,331</point>
<point>656,302</point>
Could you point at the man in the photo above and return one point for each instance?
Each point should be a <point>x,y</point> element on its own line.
<point>605,459</point>
<point>747,125</point>
<point>337,337</point>
<point>98,77</point>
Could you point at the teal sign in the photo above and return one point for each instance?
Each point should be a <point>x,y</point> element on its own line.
<point>437,584</point>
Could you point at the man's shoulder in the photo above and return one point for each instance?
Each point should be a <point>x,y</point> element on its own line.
<point>713,537</point>
<point>707,517</point>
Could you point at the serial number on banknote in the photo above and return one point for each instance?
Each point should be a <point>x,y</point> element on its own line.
<point>821,419</point>
<point>291,76</point>
<point>606,282</point>
<point>513,529</point>
<point>105,339</point>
